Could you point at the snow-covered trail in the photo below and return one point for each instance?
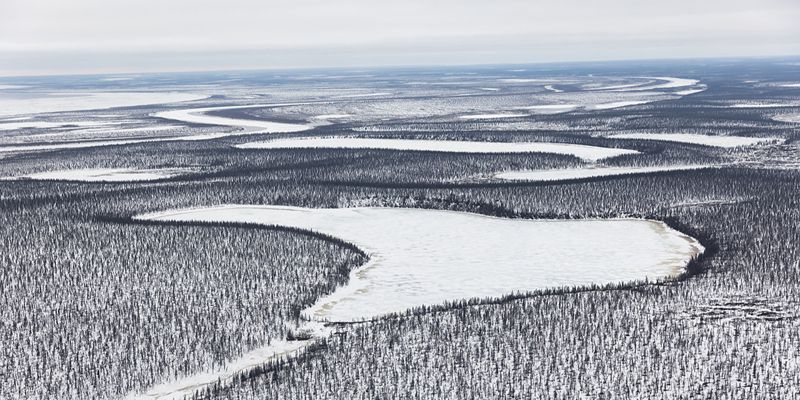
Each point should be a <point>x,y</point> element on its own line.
<point>427,257</point>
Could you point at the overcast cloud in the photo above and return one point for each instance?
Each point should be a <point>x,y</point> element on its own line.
<point>88,36</point>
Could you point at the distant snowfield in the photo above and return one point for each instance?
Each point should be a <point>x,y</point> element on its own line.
<point>108,174</point>
<point>592,153</point>
<point>426,257</point>
<point>667,82</point>
<point>566,174</point>
<point>57,102</point>
<point>706,140</point>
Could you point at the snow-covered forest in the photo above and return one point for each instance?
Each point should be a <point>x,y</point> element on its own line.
<point>100,303</point>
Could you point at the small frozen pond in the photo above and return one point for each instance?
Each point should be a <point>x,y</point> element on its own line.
<point>706,140</point>
<point>592,153</point>
<point>427,257</point>
<point>581,173</point>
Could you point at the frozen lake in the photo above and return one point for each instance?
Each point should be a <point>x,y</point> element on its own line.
<point>564,174</point>
<point>705,140</point>
<point>592,153</point>
<point>108,174</point>
<point>428,257</point>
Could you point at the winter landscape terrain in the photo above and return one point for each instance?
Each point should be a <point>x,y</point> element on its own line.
<point>609,230</point>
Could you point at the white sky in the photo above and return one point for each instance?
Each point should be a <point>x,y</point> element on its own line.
<point>60,36</point>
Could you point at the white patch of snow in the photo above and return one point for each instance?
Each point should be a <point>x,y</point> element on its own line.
<point>592,153</point>
<point>199,116</point>
<point>791,118</point>
<point>617,104</point>
<point>706,140</point>
<point>592,172</point>
<point>49,124</point>
<point>551,108</point>
<point>552,89</point>
<point>762,105</point>
<point>491,116</point>
<point>331,116</point>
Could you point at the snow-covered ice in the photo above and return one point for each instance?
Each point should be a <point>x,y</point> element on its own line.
<point>591,172</point>
<point>24,124</point>
<point>617,104</point>
<point>551,108</point>
<point>426,257</point>
<point>592,153</point>
<point>57,102</point>
<point>108,174</point>
<point>200,116</point>
<point>491,116</point>
<point>706,140</point>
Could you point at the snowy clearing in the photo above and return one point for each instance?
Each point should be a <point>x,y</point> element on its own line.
<point>426,257</point>
<point>108,174</point>
<point>592,153</point>
<point>566,174</point>
<point>706,140</point>
<point>57,102</point>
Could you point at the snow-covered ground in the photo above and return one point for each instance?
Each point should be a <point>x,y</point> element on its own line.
<point>56,102</point>
<point>706,140</point>
<point>427,257</point>
<point>107,174</point>
<point>791,118</point>
<point>580,173</point>
<point>592,153</point>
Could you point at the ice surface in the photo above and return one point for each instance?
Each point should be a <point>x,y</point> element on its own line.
<point>579,173</point>
<point>618,104</point>
<point>56,102</point>
<point>551,108</point>
<point>199,116</point>
<point>492,116</point>
<point>592,153</point>
<point>706,140</point>
<point>108,174</point>
<point>427,257</point>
